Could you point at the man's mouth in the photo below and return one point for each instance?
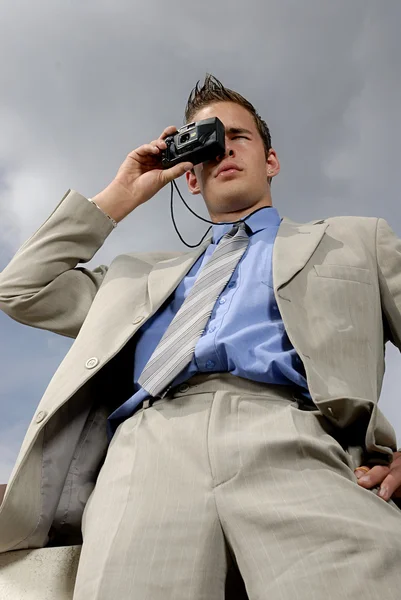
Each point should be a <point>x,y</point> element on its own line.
<point>227,172</point>
<point>227,167</point>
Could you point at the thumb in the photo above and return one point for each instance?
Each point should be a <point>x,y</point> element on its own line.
<point>176,171</point>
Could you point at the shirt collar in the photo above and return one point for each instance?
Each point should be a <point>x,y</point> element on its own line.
<point>267,216</point>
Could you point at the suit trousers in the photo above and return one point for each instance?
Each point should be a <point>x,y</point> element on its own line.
<point>227,471</point>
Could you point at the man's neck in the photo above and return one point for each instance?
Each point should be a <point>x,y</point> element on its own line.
<point>239,214</point>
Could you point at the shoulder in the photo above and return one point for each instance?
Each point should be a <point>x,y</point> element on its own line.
<point>338,225</point>
<point>353,221</point>
<point>144,258</point>
<point>350,222</point>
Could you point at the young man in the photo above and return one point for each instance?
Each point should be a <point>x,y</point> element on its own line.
<point>240,382</point>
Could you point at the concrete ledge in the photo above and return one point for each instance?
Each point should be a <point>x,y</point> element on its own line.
<point>49,574</point>
<point>44,574</point>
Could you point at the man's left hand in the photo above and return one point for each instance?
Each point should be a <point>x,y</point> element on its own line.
<point>389,478</point>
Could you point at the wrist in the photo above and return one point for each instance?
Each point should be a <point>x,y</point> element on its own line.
<point>114,201</point>
<point>113,222</point>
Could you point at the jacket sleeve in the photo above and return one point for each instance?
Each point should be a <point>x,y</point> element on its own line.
<point>388,252</point>
<point>42,285</point>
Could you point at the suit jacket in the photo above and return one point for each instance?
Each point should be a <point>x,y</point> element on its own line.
<point>337,283</point>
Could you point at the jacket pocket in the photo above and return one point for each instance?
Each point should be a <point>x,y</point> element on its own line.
<point>344,272</point>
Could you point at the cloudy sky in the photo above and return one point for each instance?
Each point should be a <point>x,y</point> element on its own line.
<point>83,82</point>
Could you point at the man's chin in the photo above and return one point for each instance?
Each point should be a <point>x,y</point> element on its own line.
<point>227,205</point>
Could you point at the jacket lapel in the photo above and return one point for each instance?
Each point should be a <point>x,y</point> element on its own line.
<point>167,274</point>
<point>293,247</point>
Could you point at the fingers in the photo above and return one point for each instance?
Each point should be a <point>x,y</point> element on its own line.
<point>374,477</point>
<point>378,471</point>
<point>387,478</point>
<point>361,471</point>
<point>146,149</point>
<point>156,146</point>
<point>160,143</point>
<point>390,485</point>
<point>379,475</point>
<point>168,131</point>
<point>176,171</point>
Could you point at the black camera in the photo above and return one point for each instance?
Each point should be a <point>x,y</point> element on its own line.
<point>196,143</point>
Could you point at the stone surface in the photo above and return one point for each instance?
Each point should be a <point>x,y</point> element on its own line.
<point>44,574</point>
<point>49,574</point>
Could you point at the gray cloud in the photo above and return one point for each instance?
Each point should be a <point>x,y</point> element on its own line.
<point>83,83</point>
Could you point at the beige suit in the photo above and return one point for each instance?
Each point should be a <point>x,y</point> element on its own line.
<point>334,280</point>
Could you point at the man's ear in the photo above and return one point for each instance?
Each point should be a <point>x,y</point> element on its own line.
<point>192,182</point>
<point>272,164</point>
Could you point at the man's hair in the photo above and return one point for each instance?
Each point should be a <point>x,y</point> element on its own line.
<point>214,91</point>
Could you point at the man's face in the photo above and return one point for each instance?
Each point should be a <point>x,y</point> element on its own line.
<point>241,190</point>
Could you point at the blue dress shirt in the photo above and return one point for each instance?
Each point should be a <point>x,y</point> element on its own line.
<point>245,334</point>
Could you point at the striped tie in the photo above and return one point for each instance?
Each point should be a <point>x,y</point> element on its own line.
<point>177,346</point>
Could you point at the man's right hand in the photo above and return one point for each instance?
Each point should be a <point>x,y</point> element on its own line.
<point>139,178</point>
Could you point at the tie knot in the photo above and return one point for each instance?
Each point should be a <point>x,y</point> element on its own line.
<point>239,227</point>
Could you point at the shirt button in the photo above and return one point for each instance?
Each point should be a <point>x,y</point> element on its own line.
<point>212,327</point>
<point>138,319</point>
<point>210,364</point>
<point>91,363</point>
<point>222,300</point>
<point>184,387</point>
<point>232,284</point>
<point>40,416</point>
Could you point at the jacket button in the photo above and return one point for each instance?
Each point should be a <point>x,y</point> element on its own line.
<point>184,387</point>
<point>138,319</point>
<point>40,416</point>
<point>92,362</point>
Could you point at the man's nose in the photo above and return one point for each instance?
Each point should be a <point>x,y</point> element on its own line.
<point>229,152</point>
